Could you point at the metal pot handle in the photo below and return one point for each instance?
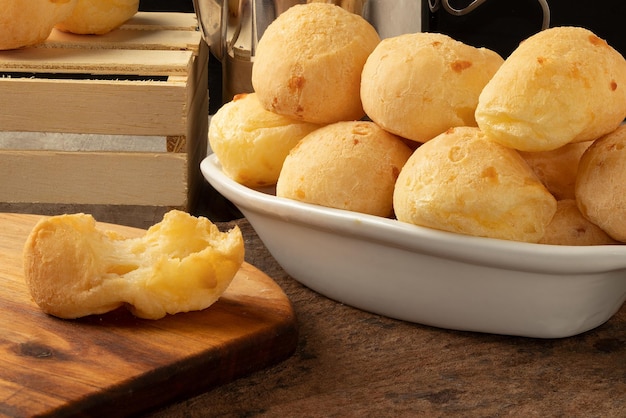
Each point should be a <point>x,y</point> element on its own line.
<point>434,6</point>
<point>224,23</point>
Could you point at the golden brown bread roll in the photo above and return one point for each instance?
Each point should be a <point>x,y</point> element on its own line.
<point>561,85</point>
<point>601,183</point>
<point>461,181</point>
<point>345,165</point>
<point>420,84</point>
<point>183,263</point>
<point>98,17</point>
<point>570,227</point>
<point>251,142</point>
<point>26,23</point>
<point>308,63</point>
<point>557,169</point>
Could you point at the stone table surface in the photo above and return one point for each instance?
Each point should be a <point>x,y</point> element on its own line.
<point>351,363</point>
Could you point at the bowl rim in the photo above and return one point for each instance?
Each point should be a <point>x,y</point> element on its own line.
<point>491,252</point>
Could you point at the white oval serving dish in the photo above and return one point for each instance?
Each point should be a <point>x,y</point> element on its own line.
<point>434,277</point>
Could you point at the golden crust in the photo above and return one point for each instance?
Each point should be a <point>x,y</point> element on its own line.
<point>420,84</point>
<point>557,169</point>
<point>181,264</point>
<point>570,227</point>
<point>308,63</point>
<point>26,23</point>
<point>601,181</point>
<point>561,85</point>
<point>251,142</point>
<point>98,17</point>
<point>345,165</point>
<point>461,181</point>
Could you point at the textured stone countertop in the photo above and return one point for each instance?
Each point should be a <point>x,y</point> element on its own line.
<point>351,363</point>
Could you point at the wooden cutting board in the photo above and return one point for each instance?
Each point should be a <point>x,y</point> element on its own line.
<point>118,365</point>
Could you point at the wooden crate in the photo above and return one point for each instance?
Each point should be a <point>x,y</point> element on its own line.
<point>119,119</point>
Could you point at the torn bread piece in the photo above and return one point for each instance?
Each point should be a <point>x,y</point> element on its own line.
<point>183,263</point>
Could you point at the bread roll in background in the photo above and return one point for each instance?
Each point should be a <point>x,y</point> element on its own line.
<point>418,85</point>
<point>26,23</point>
<point>557,169</point>
<point>601,183</point>
<point>570,227</point>
<point>561,85</point>
<point>463,182</point>
<point>309,60</point>
<point>345,165</point>
<point>251,142</point>
<point>98,17</point>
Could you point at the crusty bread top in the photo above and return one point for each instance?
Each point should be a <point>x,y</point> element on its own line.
<point>561,85</point>
<point>308,63</point>
<point>350,165</point>
<point>461,181</point>
<point>418,85</point>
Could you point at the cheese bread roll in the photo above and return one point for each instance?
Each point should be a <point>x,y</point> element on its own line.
<point>309,60</point>
<point>345,165</point>
<point>252,142</point>
<point>561,85</point>
<point>463,182</point>
<point>570,227</point>
<point>601,183</point>
<point>420,84</point>
<point>557,169</point>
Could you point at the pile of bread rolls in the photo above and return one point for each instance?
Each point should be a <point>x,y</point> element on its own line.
<point>434,132</point>
<point>27,23</point>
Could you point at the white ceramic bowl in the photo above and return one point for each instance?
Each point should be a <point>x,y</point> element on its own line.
<point>433,277</point>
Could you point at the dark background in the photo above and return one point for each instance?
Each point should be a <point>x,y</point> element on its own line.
<point>501,24</point>
<point>166,6</point>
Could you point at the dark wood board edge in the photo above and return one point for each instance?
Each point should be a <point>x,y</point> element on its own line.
<point>170,384</point>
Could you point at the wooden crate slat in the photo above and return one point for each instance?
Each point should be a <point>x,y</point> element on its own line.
<point>77,142</point>
<point>158,179</point>
<point>96,61</point>
<point>162,21</point>
<point>126,39</point>
<point>93,106</point>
